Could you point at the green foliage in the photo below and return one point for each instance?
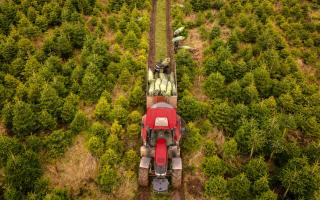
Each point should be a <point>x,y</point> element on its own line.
<point>57,143</point>
<point>116,128</point>
<point>12,194</point>
<point>261,185</point>
<point>131,160</point>
<point>299,178</point>
<point>8,147</point>
<point>110,157</point>
<point>41,22</point>
<point>200,5</point>
<point>76,33</point>
<point>69,108</point>
<point>23,120</point>
<point>137,94</point>
<point>214,85</point>
<point>206,127</point>
<point>46,120</point>
<point>58,194</point>
<point>96,146</point>
<point>239,187</point>
<point>263,81</point>
<point>135,117</point>
<point>213,166</point>
<point>98,130</point>
<point>34,143</point>
<point>268,195</point>
<point>230,149</point>
<point>26,27</point>
<point>256,168</point>
<point>22,171</point>
<point>216,187</point>
<point>120,114</point>
<point>115,5</point>
<point>215,32</point>
<point>210,148</point>
<point>58,45</point>
<point>133,130</point>
<point>193,139</point>
<point>103,109</point>
<point>79,123</point>
<point>131,41</point>
<point>190,109</point>
<point>92,83</point>
<point>114,143</point>
<point>220,115</point>
<point>250,138</point>
<point>49,100</point>
<point>107,179</point>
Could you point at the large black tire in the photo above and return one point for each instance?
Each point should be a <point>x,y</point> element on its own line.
<point>176,178</point>
<point>143,177</point>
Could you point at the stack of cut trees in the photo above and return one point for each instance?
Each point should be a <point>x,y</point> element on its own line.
<point>161,84</point>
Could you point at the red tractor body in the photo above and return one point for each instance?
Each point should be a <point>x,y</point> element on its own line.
<point>161,133</point>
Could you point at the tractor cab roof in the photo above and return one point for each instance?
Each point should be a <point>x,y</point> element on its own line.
<point>161,116</point>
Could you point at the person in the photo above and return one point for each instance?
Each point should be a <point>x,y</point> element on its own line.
<point>176,46</point>
<point>162,66</point>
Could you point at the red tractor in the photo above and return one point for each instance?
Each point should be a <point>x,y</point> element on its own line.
<point>162,129</point>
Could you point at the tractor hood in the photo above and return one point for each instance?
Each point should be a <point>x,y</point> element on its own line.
<point>161,116</point>
<point>161,157</point>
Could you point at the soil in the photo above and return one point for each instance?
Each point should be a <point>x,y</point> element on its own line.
<point>170,50</point>
<point>88,109</point>
<point>195,187</point>
<point>152,50</point>
<point>77,170</point>
<point>194,40</point>
<point>306,69</point>
<point>144,193</point>
<point>178,195</point>
<point>3,130</point>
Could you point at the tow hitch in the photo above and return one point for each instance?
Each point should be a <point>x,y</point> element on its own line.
<point>160,184</point>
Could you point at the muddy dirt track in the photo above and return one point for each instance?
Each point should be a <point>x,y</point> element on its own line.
<point>170,51</point>
<point>152,32</point>
<point>144,193</point>
<point>152,44</point>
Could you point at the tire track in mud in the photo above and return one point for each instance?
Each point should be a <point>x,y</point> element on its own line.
<point>144,193</point>
<point>170,51</point>
<point>152,43</point>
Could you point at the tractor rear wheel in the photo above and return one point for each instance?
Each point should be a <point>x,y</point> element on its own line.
<point>176,178</point>
<point>143,177</point>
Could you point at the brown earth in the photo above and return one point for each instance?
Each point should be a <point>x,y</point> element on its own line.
<point>195,187</point>
<point>177,195</point>
<point>3,130</point>
<point>152,44</point>
<point>76,171</point>
<point>194,40</point>
<point>144,193</point>
<point>170,50</point>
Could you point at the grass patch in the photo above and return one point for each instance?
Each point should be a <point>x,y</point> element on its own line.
<point>160,35</point>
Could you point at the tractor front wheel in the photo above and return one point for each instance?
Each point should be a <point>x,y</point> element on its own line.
<point>143,177</point>
<point>176,178</point>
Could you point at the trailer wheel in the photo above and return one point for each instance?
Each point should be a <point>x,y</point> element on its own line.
<point>143,177</point>
<point>176,178</point>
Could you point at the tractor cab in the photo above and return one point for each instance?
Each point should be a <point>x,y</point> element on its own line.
<point>155,135</point>
<point>161,121</point>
